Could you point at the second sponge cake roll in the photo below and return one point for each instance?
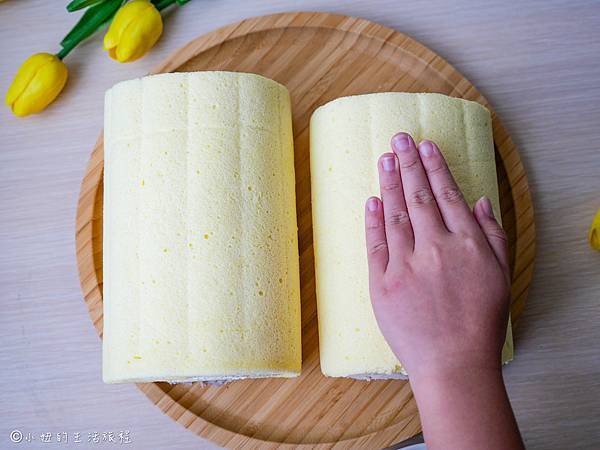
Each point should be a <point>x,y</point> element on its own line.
<point>347,136</point>
<point>201,276</point>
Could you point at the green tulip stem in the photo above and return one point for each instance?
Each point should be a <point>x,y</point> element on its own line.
<point>162,4</point>
<point>65,51</point>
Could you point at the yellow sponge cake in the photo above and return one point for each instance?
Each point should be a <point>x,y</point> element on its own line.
<point>347,135</point>
<point>201,277</point>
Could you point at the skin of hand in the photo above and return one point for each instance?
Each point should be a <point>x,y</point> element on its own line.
<point>439,281</point>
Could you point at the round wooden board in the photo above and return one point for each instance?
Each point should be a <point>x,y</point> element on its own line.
<point>319,57</point>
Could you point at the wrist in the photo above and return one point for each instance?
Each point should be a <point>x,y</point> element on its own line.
<point>460,365</point>
<point>465,408</point>
<point>455,381</point>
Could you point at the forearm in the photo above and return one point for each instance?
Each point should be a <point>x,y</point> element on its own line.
<point>466,409</point>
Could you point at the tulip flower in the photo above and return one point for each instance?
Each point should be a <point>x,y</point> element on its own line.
<point>37,83</point>
<point>594,235</point>
<point>134,30</point>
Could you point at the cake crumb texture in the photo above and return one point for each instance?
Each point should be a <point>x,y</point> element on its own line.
<point>200,250</point>
<point>347,135</point>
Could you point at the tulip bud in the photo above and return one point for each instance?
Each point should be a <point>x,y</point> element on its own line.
<point>134,30</point>
<point>594,235</point>
<point>37,83</point>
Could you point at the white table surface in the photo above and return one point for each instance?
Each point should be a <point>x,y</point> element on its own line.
<point>537,62</point>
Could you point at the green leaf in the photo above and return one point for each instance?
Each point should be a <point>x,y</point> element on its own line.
<point>76,5</point>
<point>93,18</point>
<point>181,2</point>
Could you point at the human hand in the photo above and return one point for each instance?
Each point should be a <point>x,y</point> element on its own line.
<point>440,288</point>
<point>438,272</point>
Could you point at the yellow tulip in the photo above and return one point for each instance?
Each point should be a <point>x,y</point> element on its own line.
<point>134,30</point>
<point>594,235</point>
<point>37,83</point>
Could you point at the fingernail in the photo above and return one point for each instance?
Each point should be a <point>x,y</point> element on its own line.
<point>426,148</point>
<point>401,142</point>
<point>388,163</point>
<point>372,204</point>
<point>486,205</point>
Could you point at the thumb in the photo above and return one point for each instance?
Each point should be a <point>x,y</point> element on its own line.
<point>493,232</point>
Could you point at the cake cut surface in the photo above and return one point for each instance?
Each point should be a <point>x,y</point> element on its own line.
<point>201,278</point>
<point>347,135</point>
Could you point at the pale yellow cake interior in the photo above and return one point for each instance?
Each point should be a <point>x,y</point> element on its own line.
<point>201,277</point>
<point>347,136</point>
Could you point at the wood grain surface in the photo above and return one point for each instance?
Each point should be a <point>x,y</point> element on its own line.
<point>537,64</point>
<point>319,57</point>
